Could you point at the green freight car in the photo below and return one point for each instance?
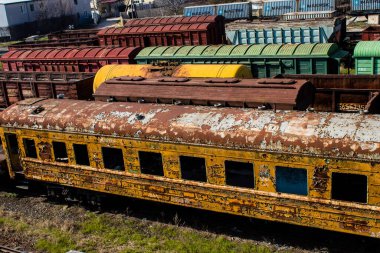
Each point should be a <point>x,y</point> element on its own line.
<point>367,58</point>
<point>263,60</point>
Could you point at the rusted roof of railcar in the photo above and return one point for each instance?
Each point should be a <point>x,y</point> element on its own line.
<point>351,136</point>
<point>172,20</point>
<point>155,29</point>
<point>273,93</point>
<point>71,53</point>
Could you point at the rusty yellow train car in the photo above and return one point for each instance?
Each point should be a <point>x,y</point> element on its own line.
<point>311,169</point>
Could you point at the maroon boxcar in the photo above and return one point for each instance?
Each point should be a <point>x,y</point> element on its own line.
<point>371,33</point>
<point>161,35</point>
<point>82,42</point>
<point>218,20</point>
<point>222,92</point>
<point>73,34</point>
<point>67,59</point>
<point>16,86</point>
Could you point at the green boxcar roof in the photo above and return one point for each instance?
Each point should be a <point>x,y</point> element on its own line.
<point>367,49</point>
<point>262,50</point>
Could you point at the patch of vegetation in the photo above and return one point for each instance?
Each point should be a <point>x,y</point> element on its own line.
<point>55,241</point>
<point>91,232</point>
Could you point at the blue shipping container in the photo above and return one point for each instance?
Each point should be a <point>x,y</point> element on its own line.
<point>203,10</point>
<point>299,35</point>
<point>235,10</point>
<point>316,5</point>
<point>365,5</point>
<point>277,8</point>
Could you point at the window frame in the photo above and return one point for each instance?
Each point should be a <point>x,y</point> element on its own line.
<point>24,139</point>
<point>189,178</point>
<point>104,161</point>
<point>75,154</point>
<point>155,153</point>
<point>55,155</point>
<point>241,162</point>
<point>287,167</point>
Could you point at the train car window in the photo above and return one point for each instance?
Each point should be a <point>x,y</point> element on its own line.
<point>81,154</point>
<point>291,180</point>
<point>30,148</point>
<point>349,187</point>
<point>151,163</point>
<point>193,168</point>
<point>113,158</point>
<point>12,143</point>
<point>239,174</point>
<point>60,152</point>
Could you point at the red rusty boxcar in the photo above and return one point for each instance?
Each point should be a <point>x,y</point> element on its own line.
<point>371,33</point>
<point>82,42</point>
<point>16,86</point>
<point>161,35</point>
<point>73,34</point>
<point>218,20</point>
<point>67,59</point>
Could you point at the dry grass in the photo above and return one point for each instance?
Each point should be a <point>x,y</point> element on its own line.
<point>91,232</point>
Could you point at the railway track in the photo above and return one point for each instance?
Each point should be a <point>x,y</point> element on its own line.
<point>5,249</point>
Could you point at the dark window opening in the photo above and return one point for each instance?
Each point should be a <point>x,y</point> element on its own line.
<point>30,148</point>
<point>349,187</point>
<point>12,143</point>
<point>113,158</point>
<point>76,2</point>
<point>291,180</point>
<point>193,168</point>
<point>239,174</point>
<point>81,154</point>
<point>60,152</point>
<point>151,163</point>
<point>32,7</point>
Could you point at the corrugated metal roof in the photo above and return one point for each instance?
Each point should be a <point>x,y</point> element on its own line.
<point>321,49</point>
<point>14,1</point>
<point>367,49</point>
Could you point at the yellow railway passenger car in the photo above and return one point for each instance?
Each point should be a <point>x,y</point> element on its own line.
<point>311,169</point>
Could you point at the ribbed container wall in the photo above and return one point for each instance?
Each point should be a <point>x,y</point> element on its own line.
<point>278,8</point>
<point>365,5</point>
<point>281,36</point>
<point>199,10</point>
<point>316,5</point>
<point>235,10</point>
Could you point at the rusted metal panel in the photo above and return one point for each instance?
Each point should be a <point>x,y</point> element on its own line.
<point>332,135</point>
<point>67,59</point>
<point>53,43</point>
<point>16,86</point>
<point>251,93</point>
<point>371,33</point>
<point>73,34</point>
<point>344,93</point>
<point>173,20</point>
<point>170,34</point>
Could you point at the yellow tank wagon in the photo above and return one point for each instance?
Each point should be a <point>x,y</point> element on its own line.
<point>311,169</point>
<point>187,70</point>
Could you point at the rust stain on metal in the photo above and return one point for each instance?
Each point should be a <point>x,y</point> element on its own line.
<point>44,149</point>
<point>320,178</point>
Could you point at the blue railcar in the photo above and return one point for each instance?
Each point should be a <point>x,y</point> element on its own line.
<point>234,11</point>
<point>322,34</point>
<point>316,5</point>
<point>202,10</point>
<point>365,5</point>
<point>278,8</point>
